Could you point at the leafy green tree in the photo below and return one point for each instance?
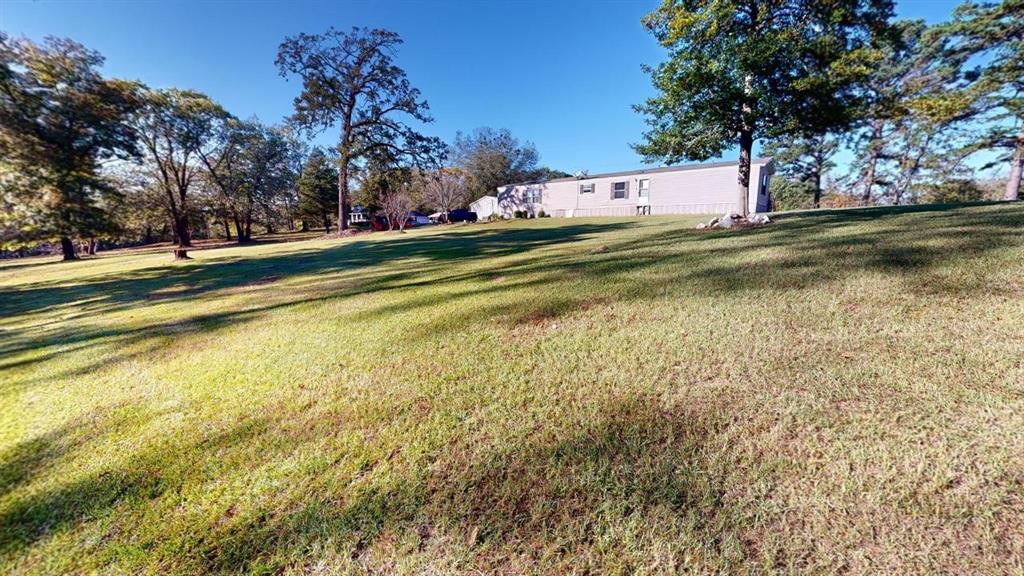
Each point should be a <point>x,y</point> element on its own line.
<point>60,122</point>
<point>804,159</point>
<point>790,194</point>
<point>493,158</point>
<point>994,32</point>
<point>175,128</point>
<point>317,187</point>
<point>911,121</point>
<point>349,80</point>
<point>741,70</point>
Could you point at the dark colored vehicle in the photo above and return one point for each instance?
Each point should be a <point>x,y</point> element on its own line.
<point>459,215</point>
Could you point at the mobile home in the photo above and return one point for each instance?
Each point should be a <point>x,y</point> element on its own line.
<point>691,189</point>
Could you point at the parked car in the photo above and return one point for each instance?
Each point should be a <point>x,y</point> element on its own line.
<point>417,219</point>
<point>459,215</point>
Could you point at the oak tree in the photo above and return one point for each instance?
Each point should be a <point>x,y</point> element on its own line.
<point>350,81</point>
<point>740,70</point>
<point>60,122</point>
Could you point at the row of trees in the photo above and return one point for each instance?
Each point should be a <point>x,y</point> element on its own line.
<point>911,103</point>
<point>85,157</point>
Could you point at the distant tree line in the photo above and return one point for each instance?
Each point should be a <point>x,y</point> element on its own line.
<point>86,160</point>
<point>913,105</point>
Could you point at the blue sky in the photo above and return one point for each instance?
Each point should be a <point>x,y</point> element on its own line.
<point>560,74</point>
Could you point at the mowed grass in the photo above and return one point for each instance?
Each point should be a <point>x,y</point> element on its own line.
<point>840,392</point>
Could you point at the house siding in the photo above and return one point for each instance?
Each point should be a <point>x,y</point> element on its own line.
<point>696,189</point>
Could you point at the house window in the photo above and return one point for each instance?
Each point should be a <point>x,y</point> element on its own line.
<point>587,188</point>
<point>620,190</point>
<point>533,195</point>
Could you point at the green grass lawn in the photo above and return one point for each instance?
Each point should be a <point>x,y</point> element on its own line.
<point>838,392</point>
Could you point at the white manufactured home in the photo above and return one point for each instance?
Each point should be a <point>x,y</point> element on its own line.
<point>691,189</point>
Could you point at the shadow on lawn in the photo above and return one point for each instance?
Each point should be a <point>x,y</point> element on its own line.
<point>637,458</point>
<point>634,458</point>
<point>801,251</point>
<point>414,260</point>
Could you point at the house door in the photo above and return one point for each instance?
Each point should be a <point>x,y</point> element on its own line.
<point>643,197</point>
<point>643,193</point>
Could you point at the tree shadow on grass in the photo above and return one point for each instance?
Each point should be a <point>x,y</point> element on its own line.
<point>799,252</point>
<point>531,492</point>
<point>420,256</point>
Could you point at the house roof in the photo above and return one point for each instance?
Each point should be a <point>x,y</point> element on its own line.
<point>658,170</point>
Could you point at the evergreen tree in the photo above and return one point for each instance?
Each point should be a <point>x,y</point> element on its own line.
<point>993,32</point>
<point>60,121</point>
<point>317,188</point>
<point>804,159</point>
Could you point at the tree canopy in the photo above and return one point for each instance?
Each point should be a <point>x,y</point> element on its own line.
<point>350,81</point>
<point>60,120</point>
<point>738,71</point>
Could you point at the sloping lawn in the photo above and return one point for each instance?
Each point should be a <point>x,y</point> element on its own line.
<point>839,392</point>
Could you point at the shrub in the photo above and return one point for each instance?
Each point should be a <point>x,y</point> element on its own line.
<point>542,214</point>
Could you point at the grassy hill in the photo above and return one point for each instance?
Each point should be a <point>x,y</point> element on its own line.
<point>837,392</point>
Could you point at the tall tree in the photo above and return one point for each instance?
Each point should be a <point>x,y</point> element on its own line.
<point>994,32</point>
<point>317,187</point>
<point>805,159</point>
<point>493,158</point>
<point>349,80</point>
<point>175,127</point>
<point>740,70</point>
<point>60,121</point>
<point>910,106</point>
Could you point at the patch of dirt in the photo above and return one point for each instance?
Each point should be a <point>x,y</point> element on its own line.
<point>537,318</point>
<point>600,249</point>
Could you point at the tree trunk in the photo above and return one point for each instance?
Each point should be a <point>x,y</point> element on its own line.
<point>327,222</point>
<point>342,195</point>
<point>239,231</point>
<point>1013,184</point>
<point>746,145</point>
<point>67,248</point>
<point>93,243</point>
<point>305,226</point>
<point>179,222</point>
<point>227,229</point>
<point>875,152</point>
<point>817,189</point>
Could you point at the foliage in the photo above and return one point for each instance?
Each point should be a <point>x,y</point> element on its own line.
<point>805,160</point>
<point>317,187</point>
<point>177,128</point>
<point>912,122</point>
<point>60,121</point>
<point>493,158</point>
<point>992,32</point>
<point>739,71</point>
<point>446,189</point>
<point>349,79</point>
<point>789,194</point>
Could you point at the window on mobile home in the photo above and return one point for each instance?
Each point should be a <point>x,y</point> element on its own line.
<point>620,190</point>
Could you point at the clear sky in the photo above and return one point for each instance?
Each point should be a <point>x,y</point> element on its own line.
<point>563,75</point>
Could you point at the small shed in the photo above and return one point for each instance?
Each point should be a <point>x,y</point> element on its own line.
<point>485,207</point>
